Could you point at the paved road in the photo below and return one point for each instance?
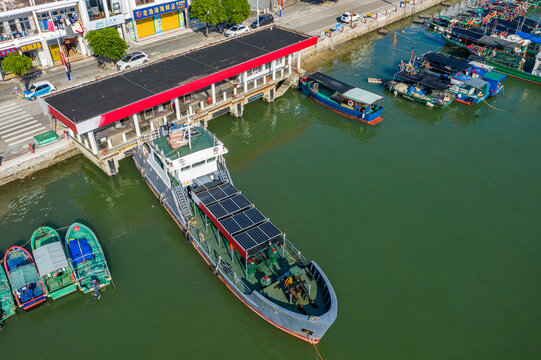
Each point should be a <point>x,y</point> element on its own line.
<point>19,124</point>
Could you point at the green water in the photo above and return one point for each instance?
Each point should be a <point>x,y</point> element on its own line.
<point>427,225</point>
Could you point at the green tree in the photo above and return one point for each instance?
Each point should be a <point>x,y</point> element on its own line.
<point>106,42</point>
<point>236,10</point>
<point>17,64</point>
<point>210,12</point>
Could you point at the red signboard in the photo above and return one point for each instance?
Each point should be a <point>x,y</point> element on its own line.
<point>6,52</point>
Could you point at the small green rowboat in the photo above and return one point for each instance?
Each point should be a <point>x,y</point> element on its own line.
<point>7,305</point>
<point>87,258</point>
<point>53,266</point>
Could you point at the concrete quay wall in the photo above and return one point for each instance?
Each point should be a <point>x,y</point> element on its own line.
<point>379,19</point>
<point>29,163</point>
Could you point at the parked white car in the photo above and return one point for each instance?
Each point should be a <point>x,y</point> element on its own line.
<point>347,17</point>
<point>38,89</point>
<point>237,30</point>
<point>132,60</point>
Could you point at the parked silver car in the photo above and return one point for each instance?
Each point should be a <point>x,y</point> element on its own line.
<point>132,60</point>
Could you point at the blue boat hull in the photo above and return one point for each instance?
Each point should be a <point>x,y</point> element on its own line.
<point>372,118</point>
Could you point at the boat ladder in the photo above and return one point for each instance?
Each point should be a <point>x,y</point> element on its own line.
<point>183,202</point>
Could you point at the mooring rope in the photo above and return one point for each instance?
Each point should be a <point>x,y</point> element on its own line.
<point>315,347</point>
<point>495,108</point>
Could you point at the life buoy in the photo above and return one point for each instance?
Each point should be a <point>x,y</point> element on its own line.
<point>350,102</point>
<point>72,277</point>
<point>315,86</point>
<point>201,237</point>
<point>409,68</point>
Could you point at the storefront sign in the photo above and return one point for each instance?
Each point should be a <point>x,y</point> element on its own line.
<point>158,9</point>
<point>6,52</point>
<point>103,23</point>
<point>157,24</point>
<point>132,30</point>
<point>30,47</point>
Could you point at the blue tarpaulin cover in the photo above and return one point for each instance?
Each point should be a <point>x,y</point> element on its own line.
<point>532,38</point>
<point>80,251</point>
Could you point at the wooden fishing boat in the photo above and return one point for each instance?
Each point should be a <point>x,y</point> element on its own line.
<point>342,98</point>
<point>424,89</point>
<point>87,259</point>
<point>27,287</point>
<point>7,304</point>
<point>55,270</point>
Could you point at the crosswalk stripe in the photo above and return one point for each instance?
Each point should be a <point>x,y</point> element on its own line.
<point>12,117</point>
<point>8,137</point>
<point>9,108</point>
<point>14,121</point>
<point>16,127</point>
<point>29,137</point>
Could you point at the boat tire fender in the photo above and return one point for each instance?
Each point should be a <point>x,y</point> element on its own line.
<point>350,102</point>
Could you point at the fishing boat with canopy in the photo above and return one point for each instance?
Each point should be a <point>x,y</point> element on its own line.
<point>7,304</point>
<point>87,259</point>
<point>27,287</point>
<point>343,98</point>
<point>53,266</point>
<point>428,90</point>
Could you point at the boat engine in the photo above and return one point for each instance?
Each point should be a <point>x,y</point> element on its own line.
<point>95,282</point>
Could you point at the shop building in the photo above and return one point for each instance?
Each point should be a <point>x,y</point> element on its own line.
<point>45,33</point>
<point>148,18</point>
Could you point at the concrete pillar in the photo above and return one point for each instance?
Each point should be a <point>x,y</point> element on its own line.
<point>109,144</point>
<point>298,60</point>
<point>225,96</point>
<point>135,118</point>
<point>273,70</point>
<point>289,64</point>
<point>124,139</point>
<point>177,110</point>
<point>105,8</point>
<point>265,79</point>
<point>282,72</point>
<point>213,90</point>
<point>86,143</point>
<point>255,83</point>
<point>93,144</point>
<point>190,110</point>
<point>235,91</point>
<point>79,138</point>
<point>151,126</point>
<point>165,118</point>
<point>244,77</point>
<point>72,134</point>
<point>201,105</point>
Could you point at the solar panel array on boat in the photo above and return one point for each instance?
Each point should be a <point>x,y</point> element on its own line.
<point>242,221</point>
<point>257,236</point>
<point>229,206</point>
<point>217,193</point>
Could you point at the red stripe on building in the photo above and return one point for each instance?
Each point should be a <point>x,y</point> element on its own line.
<point>168,95</point>
<point>62,119</point>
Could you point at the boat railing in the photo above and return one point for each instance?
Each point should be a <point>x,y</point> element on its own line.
<point>193,233</point>
<point>295,251</point>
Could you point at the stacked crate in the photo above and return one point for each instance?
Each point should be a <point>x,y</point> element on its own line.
<point>176,138</point>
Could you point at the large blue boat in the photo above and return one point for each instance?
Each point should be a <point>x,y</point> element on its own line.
<point>342,98</point>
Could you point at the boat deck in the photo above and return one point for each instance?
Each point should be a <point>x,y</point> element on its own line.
<point>200,140</point>
<point>284,264</point>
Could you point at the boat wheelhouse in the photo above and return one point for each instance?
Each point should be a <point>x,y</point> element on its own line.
<point>469,90</point>
<point>343,98</point>
<point>53,266</point>
<point>185,168</point>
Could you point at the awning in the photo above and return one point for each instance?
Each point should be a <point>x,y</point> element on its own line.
<point>476,83</point>
<point>23,275</point>
<point>50,257</point>
<point>362,96</point>
<point>494,76</point>
<point>330,82</point>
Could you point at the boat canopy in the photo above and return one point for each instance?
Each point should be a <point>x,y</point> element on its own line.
<point>496,41</point>
<point>423,80</point>
<point>447,60</point>
<point>476,83</point>
<point>532,38</point>
<point>22,276</point>
<point>494,76</point>
<point>50,257</point>
<point>471,34</point>
<point>362,96</point>
<point>330,83</point>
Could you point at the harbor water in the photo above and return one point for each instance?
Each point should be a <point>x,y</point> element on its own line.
<point>427,226</point>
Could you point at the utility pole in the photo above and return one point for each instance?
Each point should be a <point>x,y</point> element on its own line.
<point>257,13</point>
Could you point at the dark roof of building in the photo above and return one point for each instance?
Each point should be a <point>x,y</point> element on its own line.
<point>103,96</point>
